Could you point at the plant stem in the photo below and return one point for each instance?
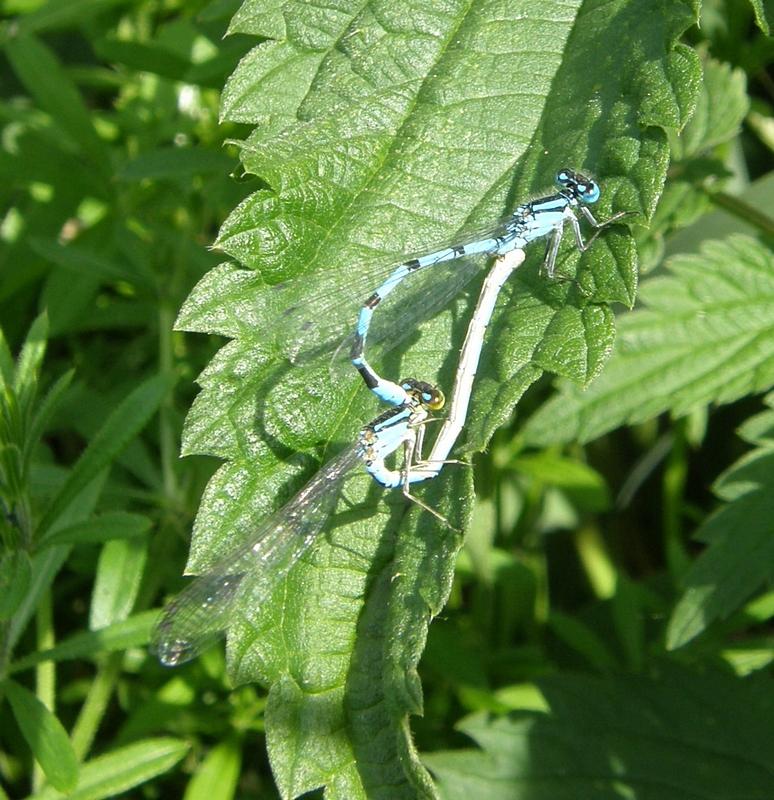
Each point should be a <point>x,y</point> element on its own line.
<point>93,710</point>
<point>744,211</point>
<point>45,673</point>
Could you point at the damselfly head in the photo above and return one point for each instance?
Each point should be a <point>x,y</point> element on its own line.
<point>425,393</point>
<point>579,186</point>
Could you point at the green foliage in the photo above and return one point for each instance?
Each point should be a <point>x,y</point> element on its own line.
<point>121,770</point>
<point>114,182</point>
<point>706,735</point>
<point>705,337</point>
<point>45,736</point>
<point>604,631</point>
<point>737,562</point>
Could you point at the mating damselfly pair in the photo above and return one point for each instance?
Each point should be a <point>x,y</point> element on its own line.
<point>246,578</point>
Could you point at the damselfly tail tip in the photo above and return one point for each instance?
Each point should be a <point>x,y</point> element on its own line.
<point>173,652</point>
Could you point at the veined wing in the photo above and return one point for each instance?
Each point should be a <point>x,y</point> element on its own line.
<point>398,317</point>
<point>199,615</point>
<point>312,315</point>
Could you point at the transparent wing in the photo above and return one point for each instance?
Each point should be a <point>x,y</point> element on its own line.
<point>199,615</point>
<point>312,315</point>
<point>424,295</point>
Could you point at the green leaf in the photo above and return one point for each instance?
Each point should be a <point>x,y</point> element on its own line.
<point>15,576</point>
<point>7,367</point>
<point>360,587</point>
<point>759,429</point>
<point>116,525</point>
<point>43,414</point>
<point>121,427</point>
<point>133,632</point>
<point>119,573</point>
<point>582,639</point>
<point>63,13</point>
<point>16,406</point>
<point>122,769</point>
<point>721,107</point>
<point>382,130</point>
<point>584,485</point>
<point>705,337</point>
<point>30,359</point>
<point>44,78</point>
<point>764,15</point>
<point>82,262</point>
<point>145,57</point>
<point>740,553</point>
<point>45,735</point>
<point>175,163</point>
<point>345,698</point>
<point>680,734</point>
<point>47,563</point>
<point>218,775</point>
<point>44,569</point>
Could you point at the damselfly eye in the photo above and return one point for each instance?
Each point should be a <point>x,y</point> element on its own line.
<point>435,401</point>
<point>424,393</point>
<point>588,192</point>
<point>566,178</point>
